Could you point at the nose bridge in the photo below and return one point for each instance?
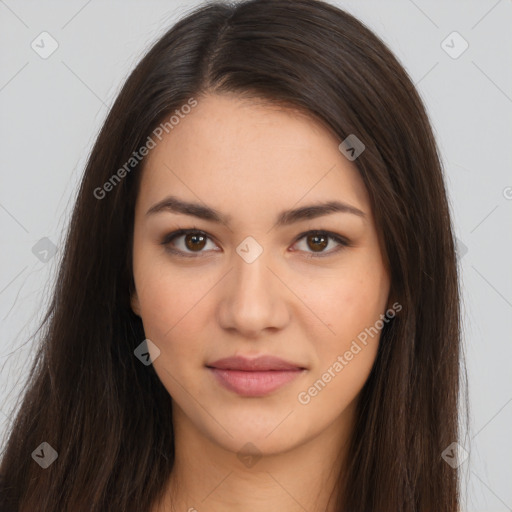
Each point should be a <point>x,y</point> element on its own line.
<point>252,286</point>
<point>251,300</point>
<point>251,273</point>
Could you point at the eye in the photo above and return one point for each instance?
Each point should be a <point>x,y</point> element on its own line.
<point>194,241</point>
<point>319,240</point>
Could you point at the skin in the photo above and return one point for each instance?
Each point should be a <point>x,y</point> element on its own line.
<point>251,160</point>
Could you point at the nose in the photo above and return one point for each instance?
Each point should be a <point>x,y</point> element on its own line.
<point>253,299</point>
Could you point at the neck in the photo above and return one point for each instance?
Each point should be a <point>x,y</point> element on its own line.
<point>207,476</point>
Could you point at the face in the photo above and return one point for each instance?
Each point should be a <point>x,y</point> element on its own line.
<point>250,281</point>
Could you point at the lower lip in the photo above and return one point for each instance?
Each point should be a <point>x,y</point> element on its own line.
<point>257,383</point>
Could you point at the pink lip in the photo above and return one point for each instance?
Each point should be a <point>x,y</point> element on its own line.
<point>254,377</point>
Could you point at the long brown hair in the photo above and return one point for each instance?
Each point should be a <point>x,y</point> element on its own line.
<point>107,415</point>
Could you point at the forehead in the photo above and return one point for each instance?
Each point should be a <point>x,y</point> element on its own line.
<point>249,153</point>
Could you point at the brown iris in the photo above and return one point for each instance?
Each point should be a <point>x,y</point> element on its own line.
<point>195,241</point>
<point>319,242</point>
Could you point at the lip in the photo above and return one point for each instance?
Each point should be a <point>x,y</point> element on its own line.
<point>254,377</point>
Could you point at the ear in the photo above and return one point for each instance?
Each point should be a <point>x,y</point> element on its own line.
<point>134,302</point>
<point>391,300</point>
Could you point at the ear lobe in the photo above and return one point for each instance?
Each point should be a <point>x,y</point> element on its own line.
<point>134,302</point>
<point>391,301</point>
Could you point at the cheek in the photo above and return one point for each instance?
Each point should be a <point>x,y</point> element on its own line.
<point>172,310</point>
<point>351,303</point>
<point>172,314</point>
<point>162,296</point>
<point>350,306</point>
<point>346,352</point>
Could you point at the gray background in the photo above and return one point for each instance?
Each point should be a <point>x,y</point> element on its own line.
<point>51,110</point>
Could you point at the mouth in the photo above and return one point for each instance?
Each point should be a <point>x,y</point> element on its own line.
<point>254,377</point>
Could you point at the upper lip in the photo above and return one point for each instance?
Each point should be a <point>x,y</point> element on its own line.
<point>260,363</point>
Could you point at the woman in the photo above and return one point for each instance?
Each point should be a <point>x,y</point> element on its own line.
<point>258,299</point>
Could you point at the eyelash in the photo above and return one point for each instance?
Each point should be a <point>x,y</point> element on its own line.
<point>167,239</point>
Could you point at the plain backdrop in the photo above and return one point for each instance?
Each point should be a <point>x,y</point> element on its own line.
<point>52,108</point>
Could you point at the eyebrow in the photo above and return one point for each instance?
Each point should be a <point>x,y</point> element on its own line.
<point>175,205</point>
